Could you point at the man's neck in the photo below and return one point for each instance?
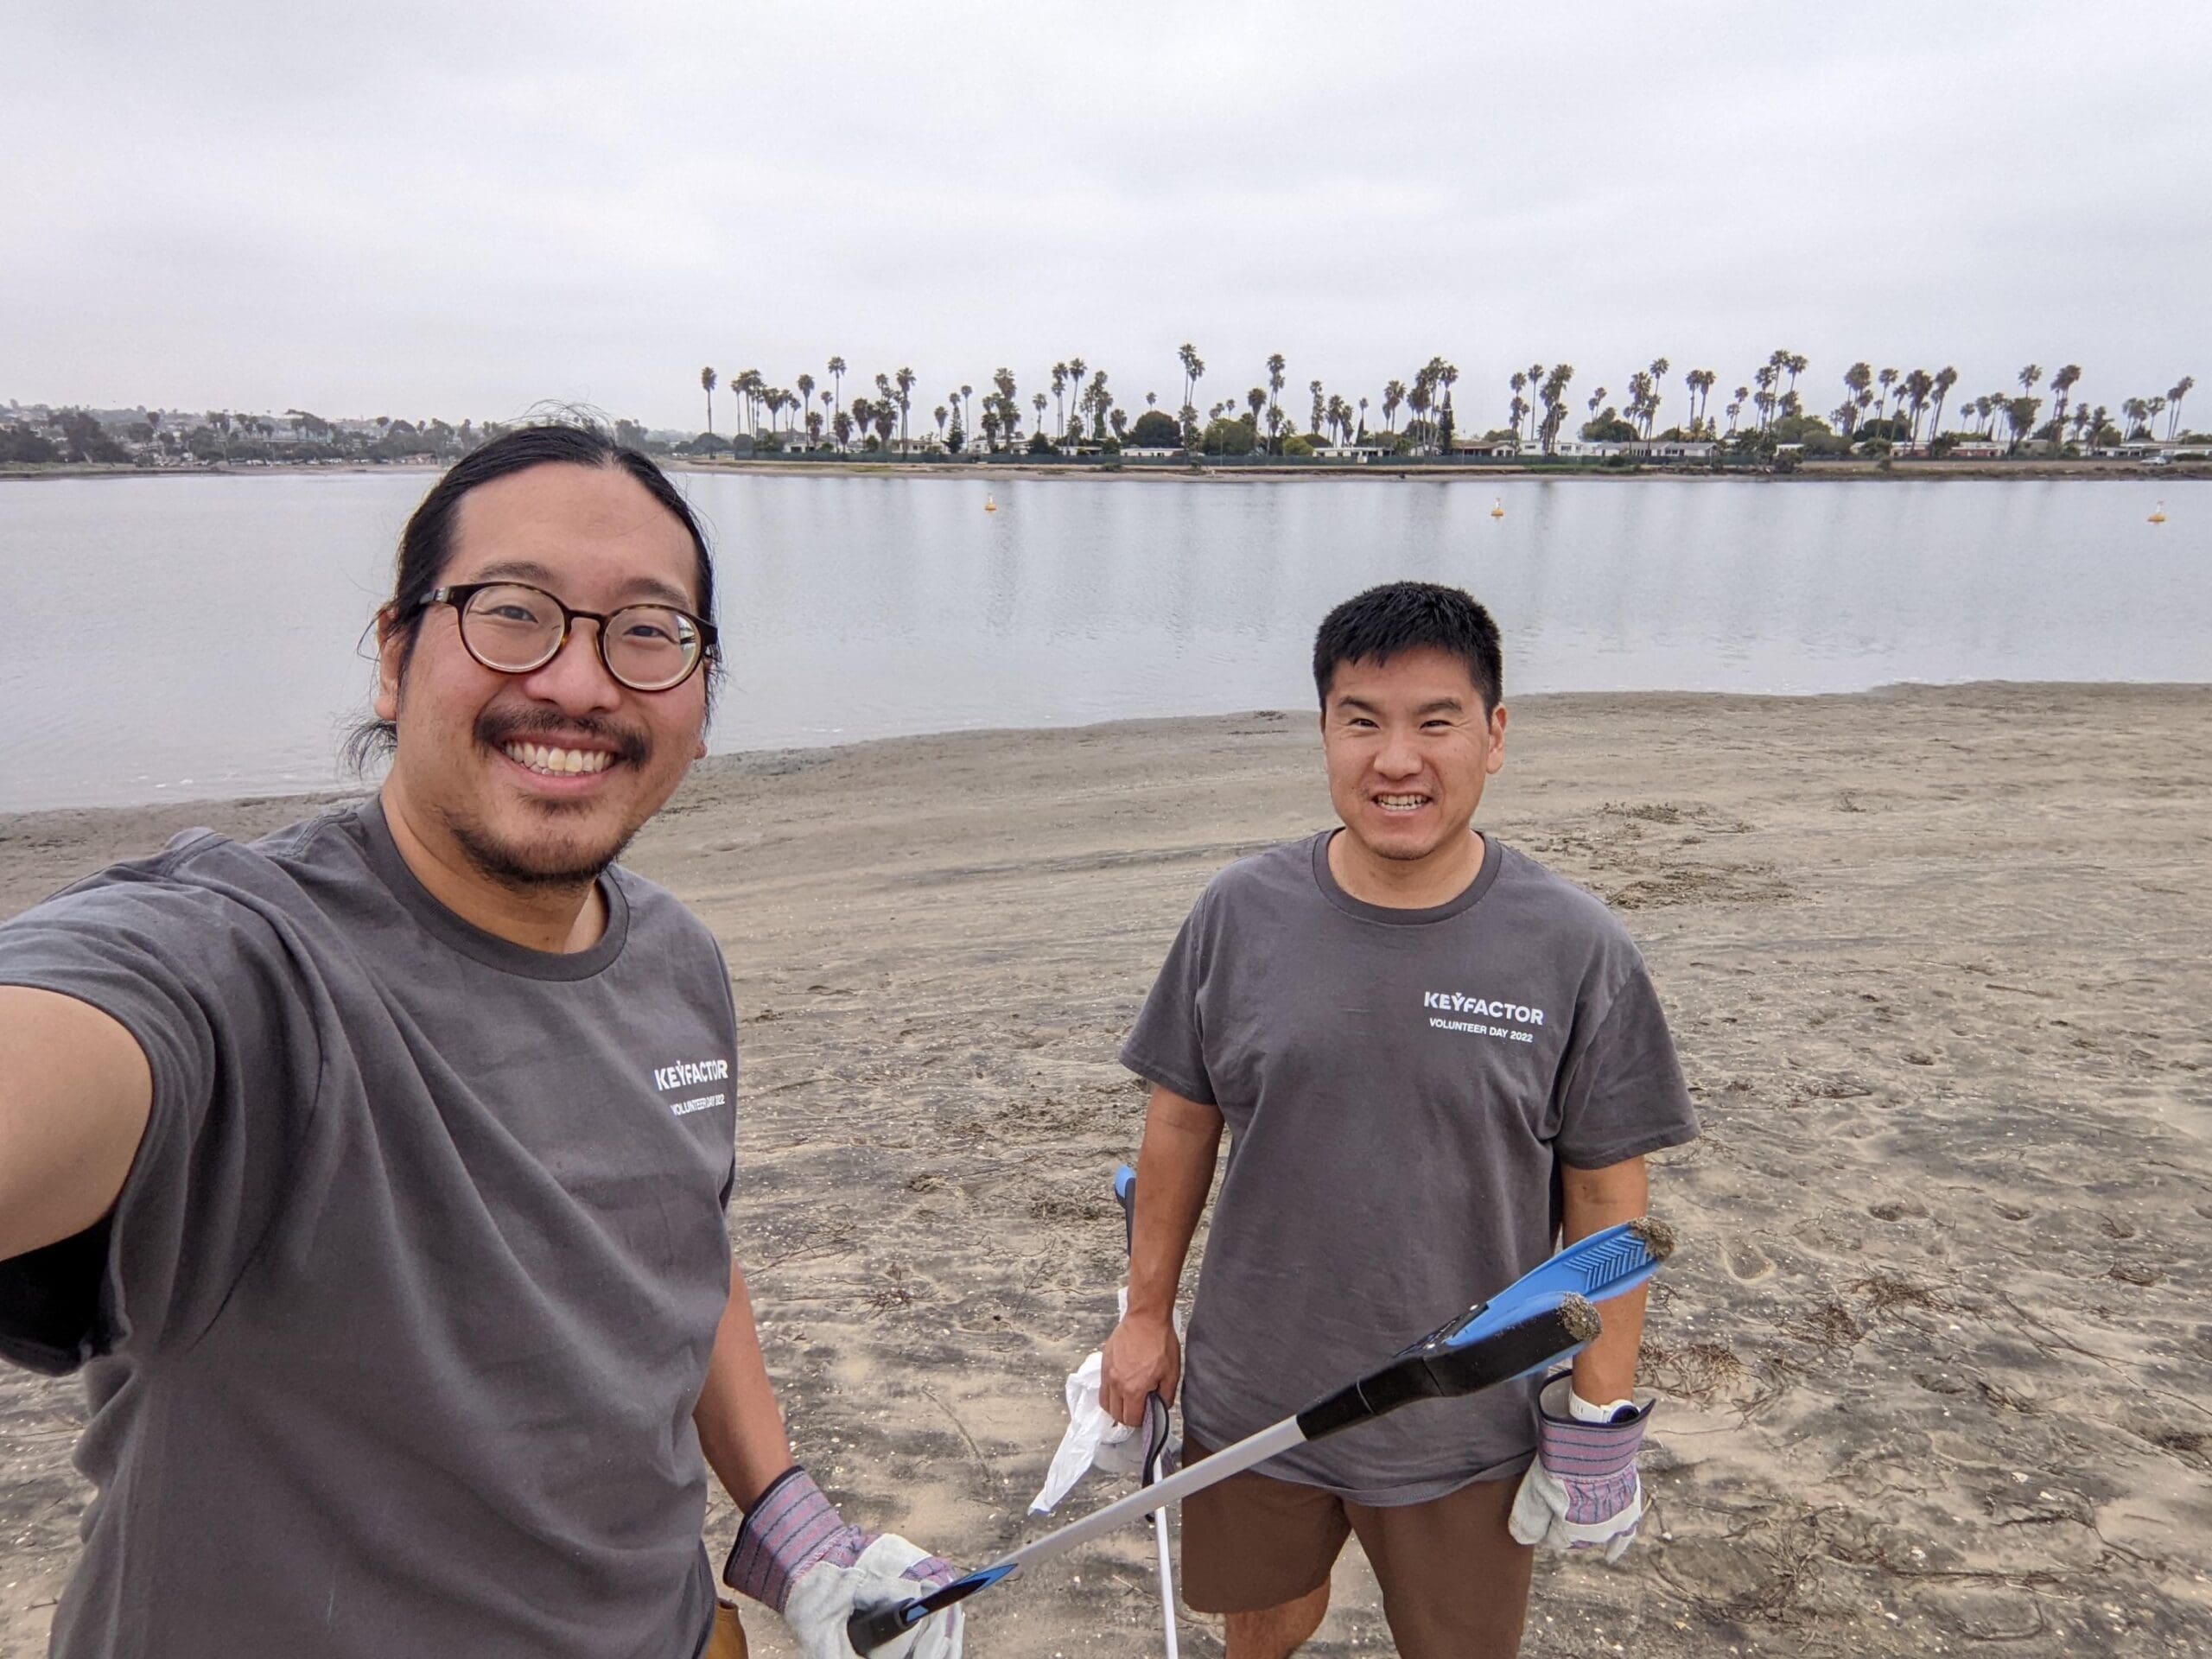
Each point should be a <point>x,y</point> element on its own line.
<point>1406,883</point>
<point>559,919</point>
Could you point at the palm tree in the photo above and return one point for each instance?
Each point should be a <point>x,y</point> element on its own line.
<point>1362,419</point>
<point>905,379</point>
<point>1393,395</point>
<point>1889,379</point>
<point>1653,395</point>
<point>837,373</point>
<point>1060,409</point>
<point>706,381</point>
<point>1257,398</point>
<point>1100,400</point>
<point>967,407</point>
<point>1039,400</point>
<point>806,384</point>
<point>1275,382</point>
<point>1777,364</point>
<point>2178,391</point>
<point>1919,385</point>
<point>1554,399</point>
<point>2061,387</point>
<point>1701,383</point>
<point>1193,367</point>
<point>1945,377</point>
<point>1856,380</point>
<point>940,412</point>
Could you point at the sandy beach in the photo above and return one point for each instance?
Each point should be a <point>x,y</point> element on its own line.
<point>1936,1358</point>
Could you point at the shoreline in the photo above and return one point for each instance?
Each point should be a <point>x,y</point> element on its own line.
<point>1213,471</point>
<point>773,761</point>
<point>1934,961</point>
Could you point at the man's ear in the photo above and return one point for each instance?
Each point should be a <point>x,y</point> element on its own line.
<point>391,662</point>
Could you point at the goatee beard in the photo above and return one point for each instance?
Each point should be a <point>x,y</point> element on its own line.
<point>497,860</point>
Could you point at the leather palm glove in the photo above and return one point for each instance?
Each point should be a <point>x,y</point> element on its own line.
<point>795,1552</point>
<point>1582,1492</point>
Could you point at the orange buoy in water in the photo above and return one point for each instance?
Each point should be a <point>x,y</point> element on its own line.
<point>2158,513</point>
<point>989,505</point>
<point>1497,508</point>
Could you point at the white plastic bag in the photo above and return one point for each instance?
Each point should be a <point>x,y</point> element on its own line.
<point>1094,1439</point>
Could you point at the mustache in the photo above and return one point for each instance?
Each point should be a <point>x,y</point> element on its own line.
<point>495,729</point>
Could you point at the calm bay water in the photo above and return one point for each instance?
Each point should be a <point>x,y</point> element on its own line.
<point>197,637</point>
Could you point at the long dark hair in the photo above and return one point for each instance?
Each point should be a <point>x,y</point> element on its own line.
<point>426,545</point>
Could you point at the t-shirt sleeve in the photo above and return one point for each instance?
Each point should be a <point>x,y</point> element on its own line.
<point>1166,1045</point>
<point>203,984</point>
<point>1622,1093</point>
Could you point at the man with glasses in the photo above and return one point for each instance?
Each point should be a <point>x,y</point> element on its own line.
<point>374,1173</point>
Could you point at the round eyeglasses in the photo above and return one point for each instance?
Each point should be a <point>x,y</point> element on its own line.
<point>513,628</point>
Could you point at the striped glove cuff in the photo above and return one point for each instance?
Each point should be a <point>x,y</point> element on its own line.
<point>1595,1462</point>
<point>791,1527</point>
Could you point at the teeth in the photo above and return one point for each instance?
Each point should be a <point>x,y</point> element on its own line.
<point>1401,800</point>
<point>557,762</point>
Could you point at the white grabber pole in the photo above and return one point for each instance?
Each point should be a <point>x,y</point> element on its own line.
<point>1125,1194</point>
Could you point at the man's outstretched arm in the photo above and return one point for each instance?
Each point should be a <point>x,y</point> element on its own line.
<point>75,1093</point>
<point>1174,1174</point>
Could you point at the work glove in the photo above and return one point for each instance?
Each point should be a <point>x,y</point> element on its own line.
<point>798,1554</point>
<point>1582,1491</point>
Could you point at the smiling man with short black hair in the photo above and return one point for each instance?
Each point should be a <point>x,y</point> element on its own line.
<point>374,1173</point>
<point>1435,1058</point>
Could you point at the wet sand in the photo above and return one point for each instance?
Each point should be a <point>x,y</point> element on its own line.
<point>1936,1358</point>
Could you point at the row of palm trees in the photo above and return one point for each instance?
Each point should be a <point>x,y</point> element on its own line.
<point>1889,404</point>
<point>1084,408</point>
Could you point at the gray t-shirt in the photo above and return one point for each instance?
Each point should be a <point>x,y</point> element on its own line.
<point>1400,1087</point>
<point>391,1341</point>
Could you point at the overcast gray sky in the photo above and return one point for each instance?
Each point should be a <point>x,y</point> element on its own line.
<point>415,209</point>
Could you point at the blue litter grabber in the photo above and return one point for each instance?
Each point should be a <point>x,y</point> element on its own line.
<point>1534,1324</point>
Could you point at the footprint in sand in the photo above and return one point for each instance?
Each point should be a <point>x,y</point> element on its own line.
<point>1747,1261</point>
